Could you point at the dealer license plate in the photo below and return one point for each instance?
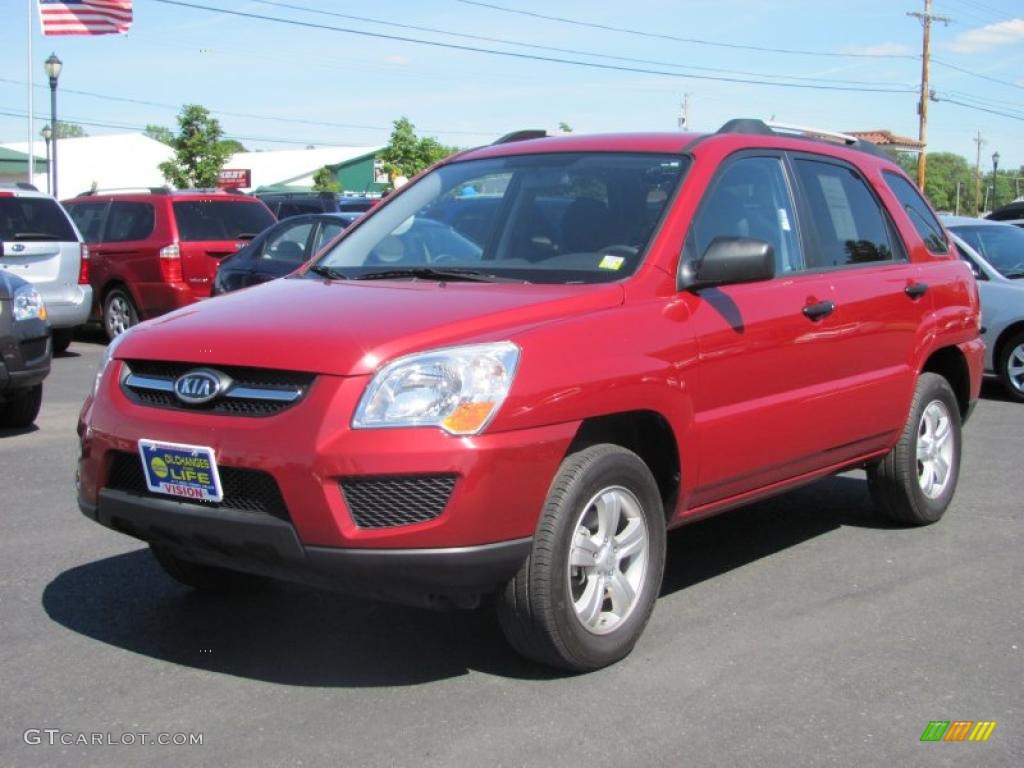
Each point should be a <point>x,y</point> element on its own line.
<point>184,471</point>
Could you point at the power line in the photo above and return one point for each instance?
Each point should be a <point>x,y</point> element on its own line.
<point>574,51</point>
<point>696,41</point>
<point>527,56</point>
<point>947,100</point>
<point>947,65</point>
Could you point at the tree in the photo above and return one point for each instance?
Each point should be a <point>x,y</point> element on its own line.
<point>945,169</point>
<point>233,146</point>
<point>564,127</point>
<point>324,181</point>
<point>406,154</point>
<point>159,133</point>
<point>199,152</point>
<point>67,130</point>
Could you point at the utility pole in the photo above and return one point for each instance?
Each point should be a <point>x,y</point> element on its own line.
<point>926,19</point>
<point>684,115</point>
<point>977,173</point>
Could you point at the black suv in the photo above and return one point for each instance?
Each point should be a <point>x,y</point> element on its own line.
<point>25,351</point>
<point>285,204</point>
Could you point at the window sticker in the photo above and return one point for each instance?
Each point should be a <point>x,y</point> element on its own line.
<point>612,262</point>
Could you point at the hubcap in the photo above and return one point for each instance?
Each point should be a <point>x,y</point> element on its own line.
<point>1015,367</point>
<point>119,317</point>
<point>934,449</point>
<point>608,560</point>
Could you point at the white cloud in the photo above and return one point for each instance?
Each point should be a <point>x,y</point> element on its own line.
<point>879,49</point>
<point>988,37</point>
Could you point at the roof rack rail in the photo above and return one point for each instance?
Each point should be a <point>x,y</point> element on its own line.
<point>771,128</point>
<point>20,185</point>
<point>525,135</point>
<point>126,190</point>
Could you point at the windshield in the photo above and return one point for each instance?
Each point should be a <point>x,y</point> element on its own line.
<point>34,218</point>
<point>555,218</point>
<point>219,220</point>
<point>1001,246</point>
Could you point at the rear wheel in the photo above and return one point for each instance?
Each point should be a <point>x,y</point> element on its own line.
<point>915,482</point>
<point>62,339</point>
<point>119,313</point>
<point>205,578</point>
<point>583,597</point>
<point>22,408</point>
<point>1011,366</point>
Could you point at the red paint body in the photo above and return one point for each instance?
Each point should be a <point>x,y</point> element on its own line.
<point>753,411</point>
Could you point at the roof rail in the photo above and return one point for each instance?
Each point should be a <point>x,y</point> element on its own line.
<point>135,190</point>
<point>21,185</point>
<point>529,133</point>
<point>771,128</point>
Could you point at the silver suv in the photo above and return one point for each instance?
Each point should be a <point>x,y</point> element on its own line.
<point>995,251</point>
<point>39,243</point>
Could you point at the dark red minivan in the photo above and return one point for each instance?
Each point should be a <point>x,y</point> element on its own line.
<point>155,250</point>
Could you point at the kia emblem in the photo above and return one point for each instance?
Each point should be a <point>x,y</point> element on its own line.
<point>200,386</point>
<point>18,247</point>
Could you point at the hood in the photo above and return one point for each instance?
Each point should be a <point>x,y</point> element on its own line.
<point>350,327</point>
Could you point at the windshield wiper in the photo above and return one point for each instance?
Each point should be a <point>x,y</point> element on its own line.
<point>329,272</point>
<point>429,273</point>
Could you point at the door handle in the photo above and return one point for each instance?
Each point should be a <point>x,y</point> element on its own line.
<point>916,290</point>
<point>819,310</point>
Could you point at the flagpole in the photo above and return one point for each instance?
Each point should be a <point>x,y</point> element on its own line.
<point>31,127</point>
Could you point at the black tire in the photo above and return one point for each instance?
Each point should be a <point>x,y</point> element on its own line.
<point>205,578</point>
<point>21,409</point>
<point>536,609</point>
<point>1012,353</point>
<point>119,312</point>
<point>62,339</point>
<point>896,481</point>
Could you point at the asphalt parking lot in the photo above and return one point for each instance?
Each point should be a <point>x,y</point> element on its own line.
<point>801,631</point>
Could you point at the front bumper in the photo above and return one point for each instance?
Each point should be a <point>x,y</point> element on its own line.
<point>25,353</point>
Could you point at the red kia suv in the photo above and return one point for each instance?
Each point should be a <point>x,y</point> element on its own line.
<point>635,332</point>
<point>155,250</point>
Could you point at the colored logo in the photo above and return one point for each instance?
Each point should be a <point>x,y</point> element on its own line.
<point>200,386</point>
<point>159,467</point>
<point>958,730</point>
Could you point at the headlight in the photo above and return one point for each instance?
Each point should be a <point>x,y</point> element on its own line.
<point>28,304</point>
<point>458,389</point>
<point>108,355</point>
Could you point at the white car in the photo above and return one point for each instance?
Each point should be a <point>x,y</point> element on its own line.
<point>995,251</point>
<point>40,244</point>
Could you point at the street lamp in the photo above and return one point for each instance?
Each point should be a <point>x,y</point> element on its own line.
<point>47,133</point>
<point>995,178</point>
<point>53,66</point>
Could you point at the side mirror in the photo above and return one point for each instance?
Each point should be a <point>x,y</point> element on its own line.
<point>728,260</point>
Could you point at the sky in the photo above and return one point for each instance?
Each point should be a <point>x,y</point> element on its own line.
<point>277,86</point>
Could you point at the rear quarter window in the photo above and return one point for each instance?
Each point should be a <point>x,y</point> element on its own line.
<point>129,221</point>
<point>34,218</point>
<point>918,212</point>
<point>200,220</point>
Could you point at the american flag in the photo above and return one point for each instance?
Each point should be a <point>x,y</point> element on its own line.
<point>85,17</point>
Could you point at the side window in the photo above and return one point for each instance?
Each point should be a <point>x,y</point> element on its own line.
<point>850,225</point>
<point>129,221</point>
<point>918,212</point>
<point>328,231</point>
<point>750,199</point>
<point>88,217</point>
<point>289,244</point>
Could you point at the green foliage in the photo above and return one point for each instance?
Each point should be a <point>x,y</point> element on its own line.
<point>233,146</point>
<point>159,132</point>
<point>67,130</point>
<point>199,151</point>
<point>564,127</point>
<point>406,154</point>
<point>324,181</point>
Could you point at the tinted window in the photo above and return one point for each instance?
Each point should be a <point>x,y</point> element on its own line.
<point>34,218</point>
<point>349,206</point>
<point>918,212</point>
<point>88,217</point>
<point>129,221</point>
<point>293,208</point>
<point>558,218</point>
<point>750,199</point>
<point>289,244</point>
<point>219,220</point>
<point>1002,246</point>
<point>328,231</point>
<point>850,225</point>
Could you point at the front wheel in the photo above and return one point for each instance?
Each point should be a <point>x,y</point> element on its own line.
<point>915,482</point>
<point>1011,367</point>
<point>583,597</point>
<point>21,409</point>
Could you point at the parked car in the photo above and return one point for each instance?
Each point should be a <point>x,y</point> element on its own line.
<point>995,251</point>
<point>155,250</point>
<point>26,351</point>
<point>287,204</point>
<point>1012,211</point>
<point>280,249</point>
<point>39,243</point>
<point>432,420</point>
